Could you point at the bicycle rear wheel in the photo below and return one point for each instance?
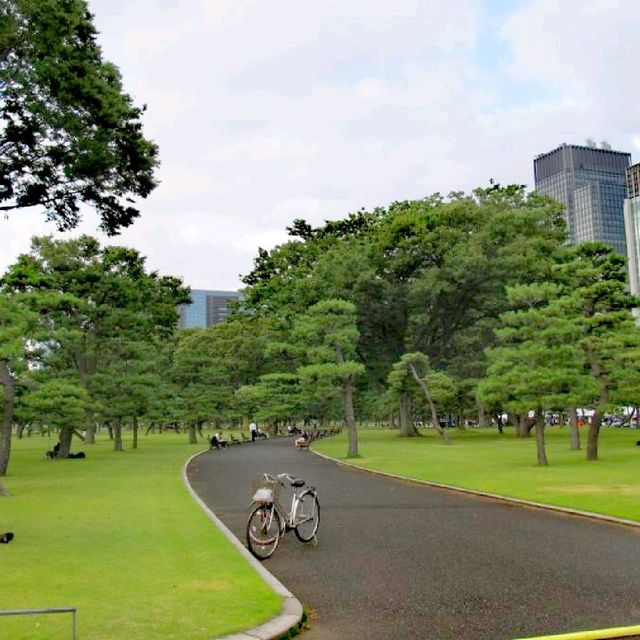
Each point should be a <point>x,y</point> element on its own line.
<point>307,517</point>
<point>263,531</point>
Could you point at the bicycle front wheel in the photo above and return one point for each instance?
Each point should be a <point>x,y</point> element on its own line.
<point>263,531</point>
<point>307,517</point>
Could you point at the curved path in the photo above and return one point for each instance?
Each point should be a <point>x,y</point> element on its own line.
<point>400,561</point>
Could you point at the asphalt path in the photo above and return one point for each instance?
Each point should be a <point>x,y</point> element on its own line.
<point>396,560</point>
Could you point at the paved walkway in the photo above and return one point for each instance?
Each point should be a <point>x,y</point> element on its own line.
<point>399,561</point>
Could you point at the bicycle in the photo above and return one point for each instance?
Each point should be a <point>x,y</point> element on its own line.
<point>268,520</point>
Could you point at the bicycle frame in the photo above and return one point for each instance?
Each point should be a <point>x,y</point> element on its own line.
<point>287,518</point>
<point>262,536</point>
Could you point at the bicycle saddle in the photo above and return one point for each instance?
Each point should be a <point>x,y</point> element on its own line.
<point>298,482</point>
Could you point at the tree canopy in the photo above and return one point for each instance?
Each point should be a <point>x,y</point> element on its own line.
<point>69,135</point>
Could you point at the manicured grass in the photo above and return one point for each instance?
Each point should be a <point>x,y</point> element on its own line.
<point>482,459</point>
<point>118,536</point>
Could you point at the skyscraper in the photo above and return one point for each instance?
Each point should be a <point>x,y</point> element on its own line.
<point>590,181</point>
<point>632,226</point>
<point>207,308</point>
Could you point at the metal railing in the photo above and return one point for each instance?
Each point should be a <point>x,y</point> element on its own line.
<point>32,612</point>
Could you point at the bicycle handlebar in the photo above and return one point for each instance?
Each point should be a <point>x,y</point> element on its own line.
<point>278,478</point>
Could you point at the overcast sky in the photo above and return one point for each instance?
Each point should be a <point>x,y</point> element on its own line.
<point>270,111</point>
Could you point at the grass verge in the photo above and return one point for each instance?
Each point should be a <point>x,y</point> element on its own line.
<point>483,460</point>
<point>118,536</point>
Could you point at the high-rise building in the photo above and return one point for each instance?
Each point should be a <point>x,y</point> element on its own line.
<point>632,226</point>
<point>591,182</point>
<point>207,308</point>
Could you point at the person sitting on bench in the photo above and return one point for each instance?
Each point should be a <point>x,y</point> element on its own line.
<point>54,452</point>
<point>221,441</point>
<point>303,441</point>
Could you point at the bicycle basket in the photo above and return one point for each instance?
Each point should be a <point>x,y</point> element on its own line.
<point>265,491</point>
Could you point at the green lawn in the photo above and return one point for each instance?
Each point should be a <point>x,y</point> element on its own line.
<point>118,536</point>
<point>482,459</point>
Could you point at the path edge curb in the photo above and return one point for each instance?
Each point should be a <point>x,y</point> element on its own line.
<point>485,494</point>
<point>291,613</point>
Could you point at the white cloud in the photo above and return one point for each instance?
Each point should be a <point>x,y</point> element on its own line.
<point>585,49</point>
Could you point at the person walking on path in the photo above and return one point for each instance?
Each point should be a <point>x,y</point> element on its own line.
<point>253,430</point>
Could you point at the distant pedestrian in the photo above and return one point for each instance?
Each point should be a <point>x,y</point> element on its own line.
<point>253,430</point>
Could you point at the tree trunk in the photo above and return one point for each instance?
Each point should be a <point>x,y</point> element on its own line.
<point>350,419</point>
<point>191,429</point>
<point>573,429</point>
<point>392,421</point>
<point>66,435</point>
<point>603,400</point>
<point>407,429</point>
<point>90,434</point>
<point>482,416</point>
<point>20,430</point>
<point>592,434</point>
<point>432,406</point>
<point>117,434</point>
<point>540,444</point>
<point>8,384</point>
<point>110,430</point>
<point>134,444</point>
<point>525,424</point>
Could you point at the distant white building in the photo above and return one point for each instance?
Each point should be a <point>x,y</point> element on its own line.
<point>632,228</point>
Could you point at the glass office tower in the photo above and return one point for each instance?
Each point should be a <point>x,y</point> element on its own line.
<point>632,225</point>
<point>207,308</point>
<point>591,183</point>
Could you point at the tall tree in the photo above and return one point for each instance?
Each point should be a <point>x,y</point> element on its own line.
<point>94,303</point>
<point>425,275</point>
<point>537,364</point>
<point>413,371</point>
<point>68,133</point>
<point>597,300</point>
<point>61,404</point>
<point>17,324</point>
<point>210,365</point>
<point>330,333</point>
<point>126,383</point>
<point>275,398</point>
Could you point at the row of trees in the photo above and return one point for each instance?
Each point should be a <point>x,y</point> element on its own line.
<point>470,305</point>
<point>84,332</point>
